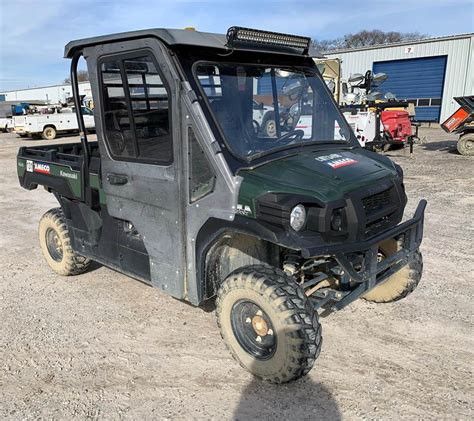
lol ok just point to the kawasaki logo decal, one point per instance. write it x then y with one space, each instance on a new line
68 174
336 160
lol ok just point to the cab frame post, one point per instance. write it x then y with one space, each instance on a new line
85 182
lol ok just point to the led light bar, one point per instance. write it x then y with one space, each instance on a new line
236 34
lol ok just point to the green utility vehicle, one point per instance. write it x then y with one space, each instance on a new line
184 192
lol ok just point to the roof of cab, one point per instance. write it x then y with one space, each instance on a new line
169 36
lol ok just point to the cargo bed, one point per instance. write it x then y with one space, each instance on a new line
59 169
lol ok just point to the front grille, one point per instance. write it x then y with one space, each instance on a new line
376 202
377 226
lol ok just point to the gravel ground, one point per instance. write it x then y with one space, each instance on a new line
101 345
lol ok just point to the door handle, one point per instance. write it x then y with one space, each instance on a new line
117 179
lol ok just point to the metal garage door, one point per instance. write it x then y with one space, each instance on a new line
265 84
419 80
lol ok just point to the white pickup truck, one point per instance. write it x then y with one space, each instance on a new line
48 126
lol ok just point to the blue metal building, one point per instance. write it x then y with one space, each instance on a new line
429 72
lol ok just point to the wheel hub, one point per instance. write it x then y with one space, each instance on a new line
253 329
54 244
259 325
271 129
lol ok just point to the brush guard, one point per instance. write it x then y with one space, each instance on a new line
409 235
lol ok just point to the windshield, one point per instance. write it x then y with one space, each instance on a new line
263 108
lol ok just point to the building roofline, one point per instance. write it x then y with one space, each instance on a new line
41 87
401 43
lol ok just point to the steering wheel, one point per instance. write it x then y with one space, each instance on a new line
294 135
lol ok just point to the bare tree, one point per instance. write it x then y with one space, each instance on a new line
366 38
82 76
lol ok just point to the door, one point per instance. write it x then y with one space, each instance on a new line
418 80
135 96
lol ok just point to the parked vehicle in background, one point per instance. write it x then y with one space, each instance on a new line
378 124
20 110
48 123
462 122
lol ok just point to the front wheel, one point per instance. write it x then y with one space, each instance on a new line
401 283
268 324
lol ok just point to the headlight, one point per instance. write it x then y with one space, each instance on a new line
298 217
336 220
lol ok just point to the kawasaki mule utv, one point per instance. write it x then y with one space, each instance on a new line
183 191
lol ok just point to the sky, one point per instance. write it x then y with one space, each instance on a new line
33 33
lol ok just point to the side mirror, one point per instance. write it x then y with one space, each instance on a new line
356 78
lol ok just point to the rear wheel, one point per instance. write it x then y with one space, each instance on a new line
401 283
56 245
268 323
49 133
466 144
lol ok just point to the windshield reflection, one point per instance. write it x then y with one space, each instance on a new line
263 108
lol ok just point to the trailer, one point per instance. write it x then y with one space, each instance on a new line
462 122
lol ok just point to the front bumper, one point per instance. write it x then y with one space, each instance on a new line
409 234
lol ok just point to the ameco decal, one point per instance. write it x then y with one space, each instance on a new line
41 168
336 161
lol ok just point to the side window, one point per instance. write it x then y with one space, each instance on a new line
201 175
136 110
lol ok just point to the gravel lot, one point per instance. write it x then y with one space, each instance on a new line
102 345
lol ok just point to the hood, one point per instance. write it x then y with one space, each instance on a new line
326 175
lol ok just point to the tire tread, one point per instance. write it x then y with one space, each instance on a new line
299 314
73 263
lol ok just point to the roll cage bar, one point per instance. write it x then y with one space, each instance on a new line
86 194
